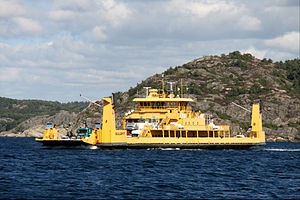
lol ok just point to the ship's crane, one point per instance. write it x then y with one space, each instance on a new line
241 107
90 100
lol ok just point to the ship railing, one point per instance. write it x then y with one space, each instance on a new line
157 107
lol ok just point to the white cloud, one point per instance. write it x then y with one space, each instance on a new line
280 55
10 74
62 15
25 25
257 53
249 23
75 5
11 8
98 33
202 8
289 41
114 12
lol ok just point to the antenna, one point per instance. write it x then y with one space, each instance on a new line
147 91
90 100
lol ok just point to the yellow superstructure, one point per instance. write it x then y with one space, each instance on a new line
108 134
50 132
166 121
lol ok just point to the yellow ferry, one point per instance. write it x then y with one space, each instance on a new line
166 121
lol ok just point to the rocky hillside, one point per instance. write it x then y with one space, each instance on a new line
214 82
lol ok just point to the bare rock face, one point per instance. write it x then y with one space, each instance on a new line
61 118
34 127
35 131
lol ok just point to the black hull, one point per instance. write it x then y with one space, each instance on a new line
63 143
178 146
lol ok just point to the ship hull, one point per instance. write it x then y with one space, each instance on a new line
62 142
177 146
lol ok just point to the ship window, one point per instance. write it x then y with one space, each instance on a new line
157 104
152 105
175 103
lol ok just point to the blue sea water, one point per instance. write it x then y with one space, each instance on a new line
30 171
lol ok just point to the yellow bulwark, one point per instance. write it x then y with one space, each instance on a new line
166 121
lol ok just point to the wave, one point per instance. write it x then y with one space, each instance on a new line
93 147
278 149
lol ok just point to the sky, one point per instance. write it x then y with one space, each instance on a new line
56 50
